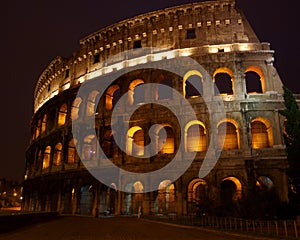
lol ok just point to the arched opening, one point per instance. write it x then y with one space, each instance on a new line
39 161
135 135
166 144
230 194
68 197
261 132
75 108
89 148
72 152
46 159
86 200
195 137
109 145
191 79
223 79
44 123
134 200
112 96
190 90
165 94
198 201
108 198
165 201
231 190
255 80
90 105
62 115
136 95
38 129
57 157
266 199
228 131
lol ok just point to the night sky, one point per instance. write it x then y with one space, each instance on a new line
34 32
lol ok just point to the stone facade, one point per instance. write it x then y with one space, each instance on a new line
216 35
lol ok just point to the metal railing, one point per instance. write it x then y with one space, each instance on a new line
278 228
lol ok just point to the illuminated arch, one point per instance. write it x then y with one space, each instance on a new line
237 194
262 133
75 108
261 85
133 197
228 130
90 105
72 152
38 128
167 146
62 115
223 87
195 140
197 195
264 183
135 135
134 96
112 96
165 200
46 158
89 147
57 157
44 124
185 85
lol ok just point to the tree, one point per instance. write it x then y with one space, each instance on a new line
292 133
292 142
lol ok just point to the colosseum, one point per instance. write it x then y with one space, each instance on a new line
235 67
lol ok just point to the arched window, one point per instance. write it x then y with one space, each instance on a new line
166 197
133 198
231 190
135 135
166 145
38 128
223 79
90 105
228 132
255 80
89 148
44 123
261 131
39 160
72 153
57 157
46 159
112 96
138 139
109 145
136 95
162 92
62 115
195 138
264 183
190 90
75 108
197 196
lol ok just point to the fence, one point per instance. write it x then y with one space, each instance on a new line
279 228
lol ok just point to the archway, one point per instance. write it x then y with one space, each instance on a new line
198 200
86 200
133 198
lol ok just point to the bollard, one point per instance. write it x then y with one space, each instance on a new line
276 226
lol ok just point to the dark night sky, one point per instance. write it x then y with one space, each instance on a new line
34 32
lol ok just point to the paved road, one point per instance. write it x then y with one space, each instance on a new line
117 228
